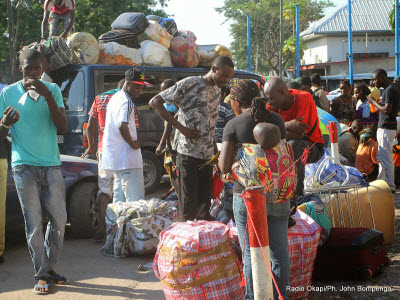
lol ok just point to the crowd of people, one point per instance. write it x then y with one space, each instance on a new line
199 112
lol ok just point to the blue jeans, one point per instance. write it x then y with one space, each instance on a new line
41 190
278 215
128 185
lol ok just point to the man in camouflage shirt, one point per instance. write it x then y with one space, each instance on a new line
198 100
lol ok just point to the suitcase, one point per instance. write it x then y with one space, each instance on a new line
134 22
122 37
351 254
170 25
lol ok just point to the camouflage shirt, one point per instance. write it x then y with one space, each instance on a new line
198 108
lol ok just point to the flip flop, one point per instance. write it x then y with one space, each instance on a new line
37 292
56 278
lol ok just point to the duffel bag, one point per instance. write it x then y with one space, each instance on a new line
116 54
121 36
57 53
135 22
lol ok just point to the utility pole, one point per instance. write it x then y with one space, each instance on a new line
350 38
397 37
297 41
248 44
281 40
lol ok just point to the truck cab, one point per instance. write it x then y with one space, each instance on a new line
80 84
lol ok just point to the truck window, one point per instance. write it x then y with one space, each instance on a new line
73 91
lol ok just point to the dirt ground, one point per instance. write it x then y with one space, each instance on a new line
94 276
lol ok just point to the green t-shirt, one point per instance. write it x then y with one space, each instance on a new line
34 136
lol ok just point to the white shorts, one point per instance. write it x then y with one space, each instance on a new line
105 180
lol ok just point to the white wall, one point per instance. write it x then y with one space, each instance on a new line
334 49
317 52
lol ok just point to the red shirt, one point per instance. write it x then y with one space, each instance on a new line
99 111
304 106
63 9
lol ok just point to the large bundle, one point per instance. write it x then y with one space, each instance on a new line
303 240
57 53
156 33
184 52
116 54
134 227
153 54
195 260
85 47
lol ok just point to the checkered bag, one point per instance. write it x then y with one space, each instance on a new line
216 204
195 260
303 240
328 171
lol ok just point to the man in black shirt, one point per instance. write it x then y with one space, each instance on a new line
10 117
388 109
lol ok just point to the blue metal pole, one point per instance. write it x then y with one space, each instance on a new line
248 44
297 41
397 37
350 38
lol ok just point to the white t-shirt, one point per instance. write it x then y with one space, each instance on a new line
117 154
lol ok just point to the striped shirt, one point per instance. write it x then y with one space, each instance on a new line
225 114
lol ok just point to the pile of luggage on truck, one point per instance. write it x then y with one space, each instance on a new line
134 40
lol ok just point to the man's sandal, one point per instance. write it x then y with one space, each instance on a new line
58 279
45 287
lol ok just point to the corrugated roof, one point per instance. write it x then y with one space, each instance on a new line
367 15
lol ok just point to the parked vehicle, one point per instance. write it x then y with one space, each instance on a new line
80 177
81 83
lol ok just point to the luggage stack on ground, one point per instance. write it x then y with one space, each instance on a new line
195 260
133 228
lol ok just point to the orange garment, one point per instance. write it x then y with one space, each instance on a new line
396 155
366 157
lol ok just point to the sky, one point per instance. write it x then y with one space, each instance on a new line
201 18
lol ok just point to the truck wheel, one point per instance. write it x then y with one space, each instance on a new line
83 212
152 171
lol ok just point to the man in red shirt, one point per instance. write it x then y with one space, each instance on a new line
298 110
55 12
98 113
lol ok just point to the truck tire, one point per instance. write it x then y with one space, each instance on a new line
152 171
82 211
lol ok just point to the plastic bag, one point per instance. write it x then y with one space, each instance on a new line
184 52
154 54
116 54
85 47
156 33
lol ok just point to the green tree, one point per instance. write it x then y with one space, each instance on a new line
20 25
265 29
392 19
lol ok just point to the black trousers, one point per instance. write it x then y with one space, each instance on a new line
315 155
194 188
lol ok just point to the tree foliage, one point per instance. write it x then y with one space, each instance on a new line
265 25
92 16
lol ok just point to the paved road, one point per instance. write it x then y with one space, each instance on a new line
92 275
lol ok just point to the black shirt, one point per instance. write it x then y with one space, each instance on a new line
390 95
240 131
